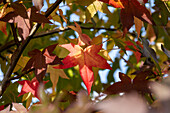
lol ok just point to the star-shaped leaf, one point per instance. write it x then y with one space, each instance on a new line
129 10
30 86
86 59
55 74
139 83
39 60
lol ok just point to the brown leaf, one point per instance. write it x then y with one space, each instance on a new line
39 60
24 18
35 16
139 83
138 25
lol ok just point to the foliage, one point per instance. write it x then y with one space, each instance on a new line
48 56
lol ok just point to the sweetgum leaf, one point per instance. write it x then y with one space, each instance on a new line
39 60
139 83
55 74
86 59
129 10
30 86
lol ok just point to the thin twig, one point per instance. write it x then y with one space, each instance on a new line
50 32
19 76
14 34
21 48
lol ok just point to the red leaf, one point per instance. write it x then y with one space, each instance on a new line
86 59
115 3
30 86
1 107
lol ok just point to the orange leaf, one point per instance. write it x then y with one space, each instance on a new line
86 59
114 3
3 27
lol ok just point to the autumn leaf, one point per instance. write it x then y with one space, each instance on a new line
21 63
23 18
1 107
129 10
86 59
115 3
30 86
3 27
39 60
55 74
139 83
83 39
138 25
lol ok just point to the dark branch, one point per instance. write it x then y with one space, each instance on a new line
14 34
50 32
20 49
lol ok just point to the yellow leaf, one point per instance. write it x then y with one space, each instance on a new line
28 97
97 40
21 63
54 75
93 8
104 53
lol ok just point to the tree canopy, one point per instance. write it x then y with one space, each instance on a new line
51 53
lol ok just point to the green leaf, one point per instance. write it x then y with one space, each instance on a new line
10 95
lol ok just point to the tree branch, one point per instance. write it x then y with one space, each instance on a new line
19 76
14 34
50 32
20 49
